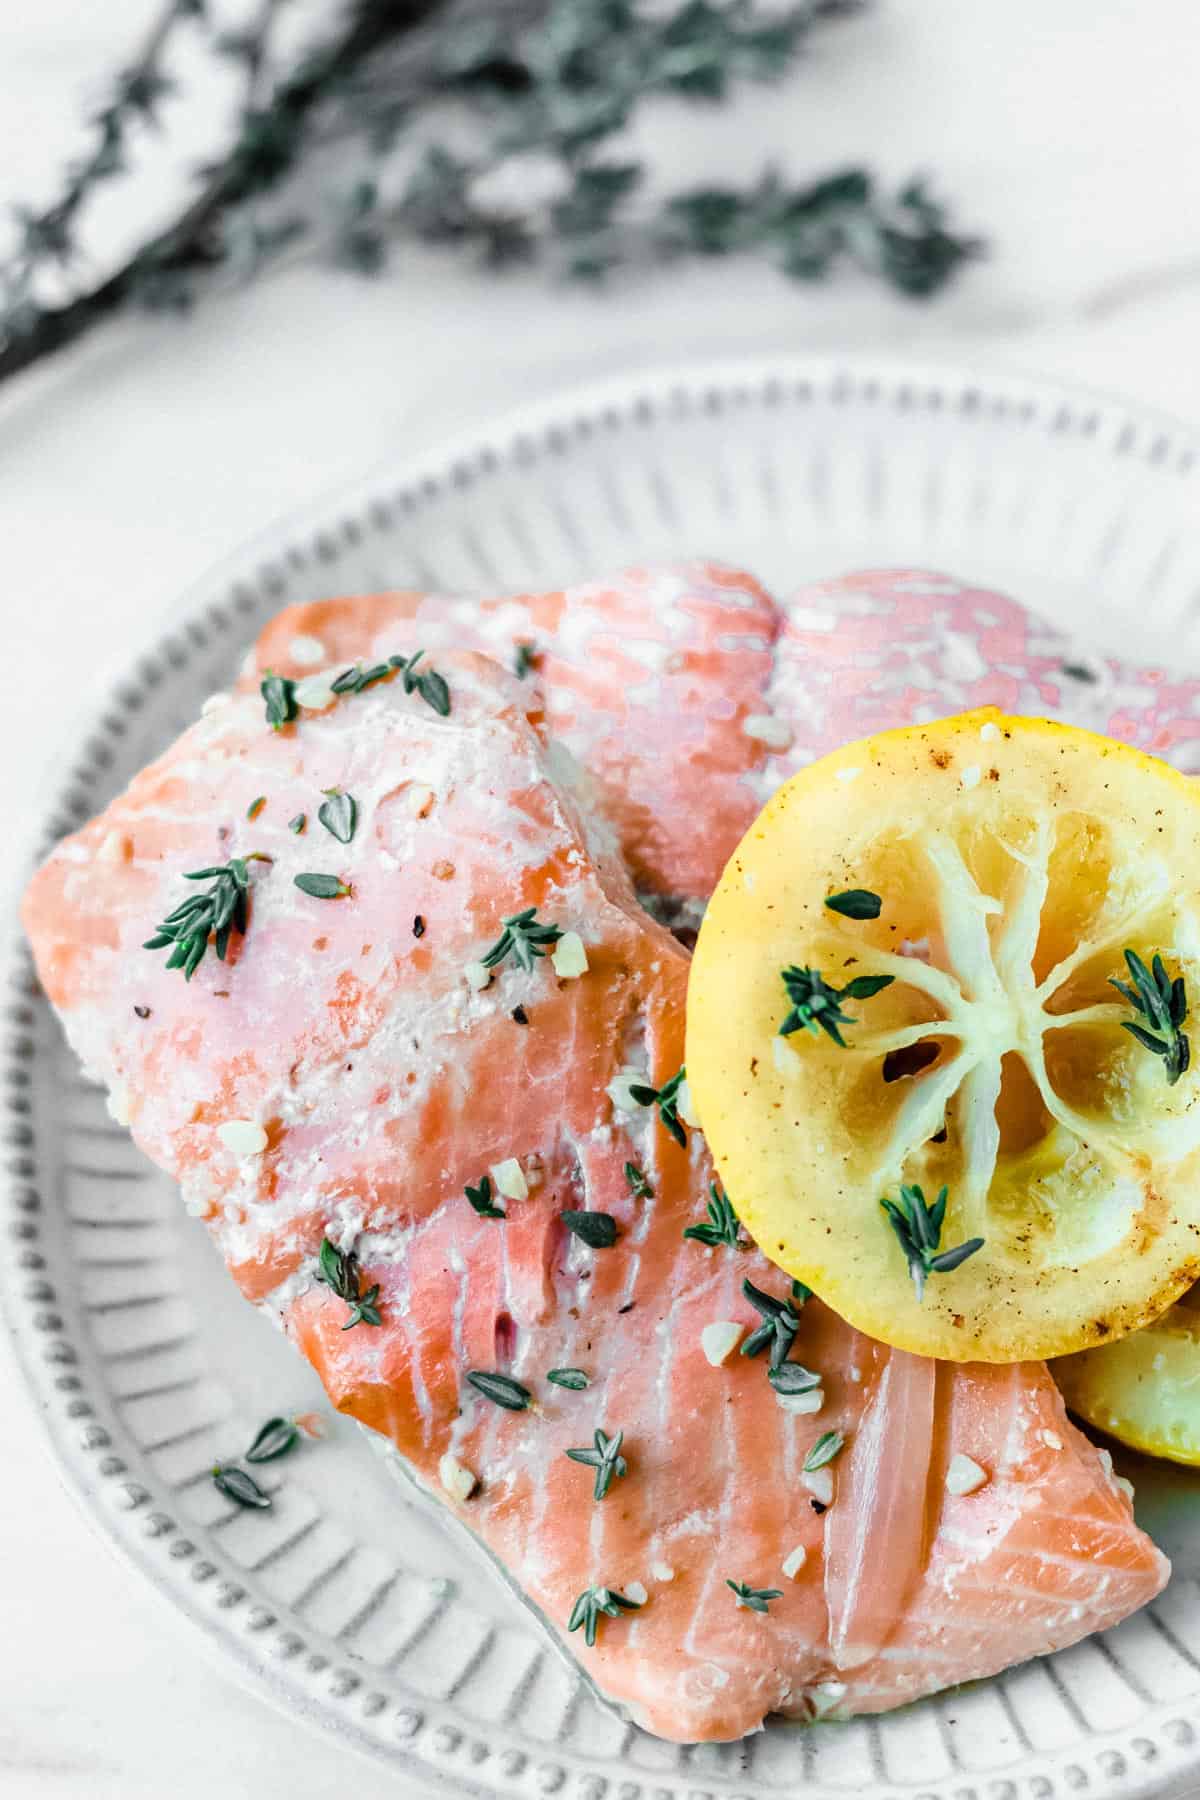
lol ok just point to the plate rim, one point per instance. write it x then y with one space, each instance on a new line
426 1740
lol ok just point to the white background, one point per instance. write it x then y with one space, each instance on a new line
1066 133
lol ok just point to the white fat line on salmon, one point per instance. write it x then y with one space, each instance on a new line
460 1269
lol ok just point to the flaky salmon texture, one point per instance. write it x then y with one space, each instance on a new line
343 1075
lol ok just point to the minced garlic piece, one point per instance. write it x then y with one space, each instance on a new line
115 847
662 1571
972 776
989 732
811 1402
243 1136
509 1178
315 692
794 1562
1052 1440
684 1107
819 1483
964 1474
459 1481
569 956
633 1590
618 1089
720 1339
477 976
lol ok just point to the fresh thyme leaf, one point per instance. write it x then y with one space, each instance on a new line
855 903
598 1230
568 1378
605 1457
256 806
220 912
339 1270
354 679
143 1012
338 813
639 1187
919 1229
753 1599
236 1485
591 1603
523 659
827 1446
816 1005
481 1199
523 938
280 695
502 1389
519 1016
722 1225
666 1098
1163 1002
427 682
297 824
275 1438
780 1323
793 1378
322 887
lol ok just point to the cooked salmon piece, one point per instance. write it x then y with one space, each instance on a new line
654 679
376 1041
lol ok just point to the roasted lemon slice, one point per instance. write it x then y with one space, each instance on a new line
1144 1390
903 993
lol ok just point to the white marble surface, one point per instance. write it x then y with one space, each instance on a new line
1067 133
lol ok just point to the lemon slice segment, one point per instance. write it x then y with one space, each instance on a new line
1016 862
1144 1390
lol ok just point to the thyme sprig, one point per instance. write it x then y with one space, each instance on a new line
592 1603
919 1229
780 1321
502 1390
639 1185
481 1199
753 1599
339 1270
817 1006
666 1098
827 1446
218 913
605 1457
1163 1002
427 682
722 1225
524 937
549 80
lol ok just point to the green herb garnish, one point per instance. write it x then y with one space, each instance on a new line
221 911
236 1485
523 938
523 659
256 806
594 1601
297 824
1163 1002
792 1378
639 1187
598 1230
666 1098
322 887
919 1229
338 813
275 1438
568 1378
502 1389
427 682
280 695
754 1599
481 1199
354 679
780 1323
605 1457
816 1006
855 903
827 1446
722 1225
339 1270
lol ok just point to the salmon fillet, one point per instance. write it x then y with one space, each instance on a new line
343 1076
654 679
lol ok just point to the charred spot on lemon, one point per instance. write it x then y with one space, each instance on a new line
1016 862
1142 1390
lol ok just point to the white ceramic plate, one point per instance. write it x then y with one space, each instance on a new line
349 1603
